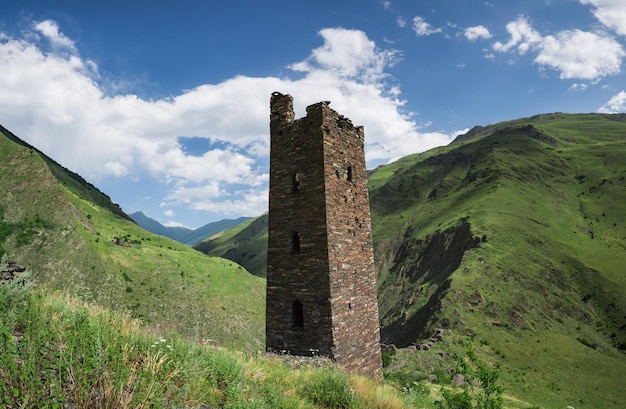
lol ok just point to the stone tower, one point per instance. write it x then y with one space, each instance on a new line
321 283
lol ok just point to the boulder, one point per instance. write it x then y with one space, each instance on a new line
458 379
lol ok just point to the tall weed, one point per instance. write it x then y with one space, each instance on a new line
329 388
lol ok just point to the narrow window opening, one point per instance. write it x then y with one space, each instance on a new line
295 242
296 182
297 315
349 174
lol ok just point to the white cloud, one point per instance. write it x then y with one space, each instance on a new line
615 105
50 30
422 28
55 101
168 213
578 87
348 54
115 168
611 13
172 223
574 53
580 54
476 32
401 22
523 36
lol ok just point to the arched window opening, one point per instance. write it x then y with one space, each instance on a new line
297 321
296 182
295 242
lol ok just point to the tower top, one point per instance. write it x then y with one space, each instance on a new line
282 113
281 108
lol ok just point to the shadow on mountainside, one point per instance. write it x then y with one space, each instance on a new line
419 278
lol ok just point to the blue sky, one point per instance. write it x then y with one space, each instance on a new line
165 106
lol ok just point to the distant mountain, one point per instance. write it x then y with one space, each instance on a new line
148 223
76 242
185 235
245 244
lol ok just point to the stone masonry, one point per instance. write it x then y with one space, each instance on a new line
321 283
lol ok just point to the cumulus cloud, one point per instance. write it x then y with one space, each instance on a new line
52 97
615 105
348 54
523 36
423 28
580 54
611 13
476 32
573 53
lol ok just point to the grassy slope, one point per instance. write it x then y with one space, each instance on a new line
245 244
545 293
59 352
157 279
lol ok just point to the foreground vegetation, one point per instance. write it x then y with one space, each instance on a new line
58 352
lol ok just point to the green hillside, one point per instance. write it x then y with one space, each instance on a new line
514 234
245 244
75 241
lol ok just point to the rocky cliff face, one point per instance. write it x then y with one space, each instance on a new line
417 280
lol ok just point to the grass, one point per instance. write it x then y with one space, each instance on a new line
57 351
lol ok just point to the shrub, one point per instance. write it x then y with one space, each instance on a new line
387 357
13 297
329 389
483 393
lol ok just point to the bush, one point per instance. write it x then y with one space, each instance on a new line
387 358
480 390
329 389
13 297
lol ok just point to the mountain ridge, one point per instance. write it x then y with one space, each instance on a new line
185 235
71 179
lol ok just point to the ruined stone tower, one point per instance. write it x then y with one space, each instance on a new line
321 283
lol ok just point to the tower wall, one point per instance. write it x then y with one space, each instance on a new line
321 283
